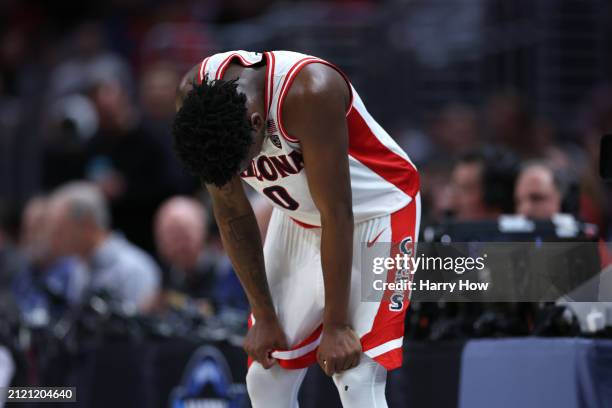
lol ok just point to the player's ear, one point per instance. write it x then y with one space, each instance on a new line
257 122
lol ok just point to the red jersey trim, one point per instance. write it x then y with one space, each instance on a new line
371 152
269 86
295 69
225 63
303 224
269 80
203 69
389 325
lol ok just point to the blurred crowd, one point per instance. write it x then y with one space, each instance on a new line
93 200
505 160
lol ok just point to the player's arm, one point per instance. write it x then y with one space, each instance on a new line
242 242
314 113
238 227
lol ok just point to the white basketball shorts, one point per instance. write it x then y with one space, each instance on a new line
293 268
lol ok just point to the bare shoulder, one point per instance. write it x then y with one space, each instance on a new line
319 93
317 80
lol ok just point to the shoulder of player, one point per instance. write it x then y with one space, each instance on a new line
317 91
315 81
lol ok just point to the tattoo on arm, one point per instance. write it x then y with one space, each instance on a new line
240 228
227 188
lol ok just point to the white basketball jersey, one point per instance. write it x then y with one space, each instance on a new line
383 179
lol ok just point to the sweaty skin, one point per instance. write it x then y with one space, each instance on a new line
314 113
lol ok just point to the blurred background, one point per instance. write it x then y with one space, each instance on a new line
112 275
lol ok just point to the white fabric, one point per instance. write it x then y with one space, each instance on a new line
288 355
385 347
372 194
360 387
275 387
293 266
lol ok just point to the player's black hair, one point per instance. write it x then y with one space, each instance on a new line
212 133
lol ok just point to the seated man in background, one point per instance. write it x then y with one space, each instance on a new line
79 224
46 284
541 192
194 269
483 184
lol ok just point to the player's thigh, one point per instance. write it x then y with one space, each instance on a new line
293 269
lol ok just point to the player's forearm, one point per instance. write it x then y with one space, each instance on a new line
336 259
242 242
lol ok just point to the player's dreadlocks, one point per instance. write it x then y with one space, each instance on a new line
212 133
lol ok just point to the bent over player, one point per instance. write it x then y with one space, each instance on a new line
293 127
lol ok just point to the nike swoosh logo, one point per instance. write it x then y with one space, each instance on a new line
371 242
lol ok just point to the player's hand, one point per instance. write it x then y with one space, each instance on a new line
264 337
340 349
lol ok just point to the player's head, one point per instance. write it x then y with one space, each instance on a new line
217 130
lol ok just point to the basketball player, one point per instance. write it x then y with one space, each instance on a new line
293 127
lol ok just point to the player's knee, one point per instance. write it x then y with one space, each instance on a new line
274 387
363 385
262 383
257 379
259 382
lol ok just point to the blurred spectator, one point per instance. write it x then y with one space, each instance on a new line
483 184
510 123
436 191
158 92
195 269
595 120
455 130
89 62
47 286
541 191
134 169
157 99
79 224
72 121
180 236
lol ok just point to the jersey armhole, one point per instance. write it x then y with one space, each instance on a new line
268 57
203 70
287 85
